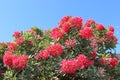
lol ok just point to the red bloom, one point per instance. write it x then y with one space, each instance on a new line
68 66
113 62
20 62
111 28
20 40
93 55
17 34
86 33
109 35
89 23
76 22
80 61
65 27
99 27
109 61
64 20
17 62
56 33
44 54
56 49
70 43
83 61
7 59
12 46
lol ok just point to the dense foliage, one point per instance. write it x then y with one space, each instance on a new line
71 51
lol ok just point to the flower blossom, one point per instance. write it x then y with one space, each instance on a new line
86 33
76 22
56 33
89 23
99 27
56 49
68 66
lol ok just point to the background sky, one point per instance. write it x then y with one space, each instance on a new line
17 15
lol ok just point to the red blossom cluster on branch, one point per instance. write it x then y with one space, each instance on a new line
14 61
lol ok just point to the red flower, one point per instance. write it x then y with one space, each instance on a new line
70 43
76 22
111 28
17 34
80 61
64 20
21 62
56 49
109 35
17 62
86 33
65 27
113 62
99 27
7 59
44 54
68 66
83 61
12 46
56 33
20 40
109 61
89 23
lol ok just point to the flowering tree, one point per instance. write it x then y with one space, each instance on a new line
71 51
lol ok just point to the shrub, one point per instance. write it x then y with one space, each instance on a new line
71 51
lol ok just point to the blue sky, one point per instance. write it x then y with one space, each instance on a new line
17 15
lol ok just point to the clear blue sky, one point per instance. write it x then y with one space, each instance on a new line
17 15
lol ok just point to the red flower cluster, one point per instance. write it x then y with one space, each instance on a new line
12 46
109 35
7 58
17 62
65 27
83 61
68 66
45 54
111 28
56 33
53 50
76 22
89 23
20 40
17 34
110 62
70 43
64 20
99 27
86 33
20 62
56 49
